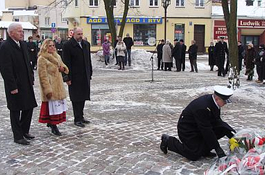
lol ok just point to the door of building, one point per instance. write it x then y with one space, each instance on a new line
199 37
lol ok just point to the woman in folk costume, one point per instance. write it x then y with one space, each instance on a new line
53 94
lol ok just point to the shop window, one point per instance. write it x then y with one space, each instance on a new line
47 21
134 3
199 3
142 32
179 31
99 33
179 3
94 3
153 3
249 2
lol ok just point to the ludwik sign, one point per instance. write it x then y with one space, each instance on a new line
251 23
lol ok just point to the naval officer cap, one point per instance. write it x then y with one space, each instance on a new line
223 92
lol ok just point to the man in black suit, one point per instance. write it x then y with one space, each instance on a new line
18 79
76 55
220 50
200 127
183 48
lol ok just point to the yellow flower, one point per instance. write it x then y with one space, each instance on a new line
233 144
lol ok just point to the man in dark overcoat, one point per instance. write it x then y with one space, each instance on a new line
220 50
59 46
200 127
183 48
177 55
129 43
32 49
159 50
76 55
18 80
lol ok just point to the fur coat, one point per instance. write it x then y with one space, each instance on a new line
50 78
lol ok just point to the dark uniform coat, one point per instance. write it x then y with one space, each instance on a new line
32 49
78 61
211 56
220 50
200 127
17 74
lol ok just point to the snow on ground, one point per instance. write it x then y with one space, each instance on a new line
141 61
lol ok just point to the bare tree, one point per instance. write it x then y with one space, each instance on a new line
109 4
230 15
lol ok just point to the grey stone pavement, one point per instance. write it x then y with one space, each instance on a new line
128 114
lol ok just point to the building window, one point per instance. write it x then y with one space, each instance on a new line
141 33
249 2
135 3
76 3
179 3
153 3
199 3
47 21
259 3
99 33
17 19
179 32
94 3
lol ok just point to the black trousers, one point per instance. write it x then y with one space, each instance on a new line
78 108
221 69
178 64
20 122
183 64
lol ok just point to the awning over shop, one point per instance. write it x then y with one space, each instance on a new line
251 31
25 25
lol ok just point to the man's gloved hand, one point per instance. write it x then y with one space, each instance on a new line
220 152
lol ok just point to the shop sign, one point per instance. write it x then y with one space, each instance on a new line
219 29
251 23
132 20
138 43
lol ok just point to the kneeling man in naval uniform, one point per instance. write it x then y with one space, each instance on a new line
200 127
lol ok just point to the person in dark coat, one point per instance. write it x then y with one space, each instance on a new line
260 62
32 49
220 50
241 54
18 80
129 43
77 57
193 49
249 61
200 127
177 55
183 48
211 56
59 46
159 49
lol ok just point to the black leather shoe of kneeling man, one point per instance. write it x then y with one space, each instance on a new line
29 136
79 124
22 141
164 144
85 121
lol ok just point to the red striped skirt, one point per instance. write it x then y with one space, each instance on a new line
51 119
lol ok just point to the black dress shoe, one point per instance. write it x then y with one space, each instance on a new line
22 142
85 121
79 124
163 145
29 136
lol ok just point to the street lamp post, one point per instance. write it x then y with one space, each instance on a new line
165 4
